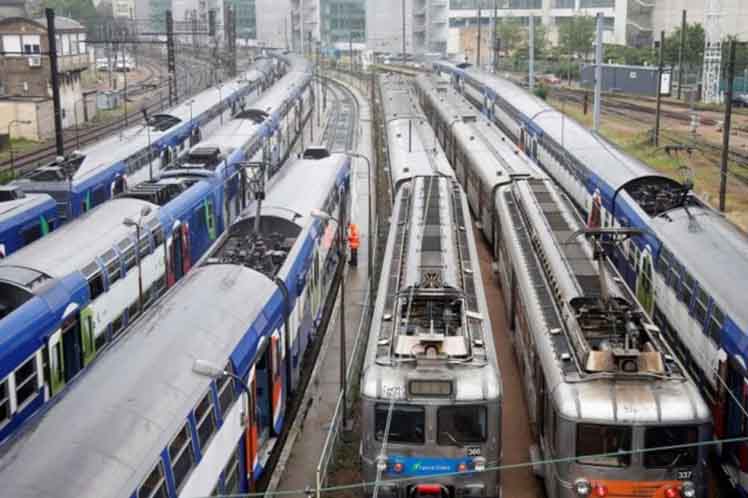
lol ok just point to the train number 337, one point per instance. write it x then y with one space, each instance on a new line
684 475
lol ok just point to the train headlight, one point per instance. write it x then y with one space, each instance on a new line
600 490
381 463
582 487
688 490
672 493
462 467
479 463
398 467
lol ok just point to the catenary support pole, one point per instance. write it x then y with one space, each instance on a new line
681 52
726 128
658 106
55 80
598 73
531 66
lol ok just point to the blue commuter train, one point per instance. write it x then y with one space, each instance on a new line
97 173
158 428
65 297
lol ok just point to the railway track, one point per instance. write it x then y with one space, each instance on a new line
24 164
340 129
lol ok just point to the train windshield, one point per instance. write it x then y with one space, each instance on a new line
460 425
662 437
603 445
408 424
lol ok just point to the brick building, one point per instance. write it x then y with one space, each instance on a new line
25 76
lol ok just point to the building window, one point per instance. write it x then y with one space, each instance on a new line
12 45
31 44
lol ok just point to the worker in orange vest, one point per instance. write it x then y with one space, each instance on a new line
353 242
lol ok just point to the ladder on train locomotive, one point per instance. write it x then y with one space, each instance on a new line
611 334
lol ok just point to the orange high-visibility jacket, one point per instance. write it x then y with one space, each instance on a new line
353 238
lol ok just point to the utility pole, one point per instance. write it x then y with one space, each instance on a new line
598 73
403 12
477 52
531 68
494 37
726 127
350 48
681 51
171 63
712 51
59 144
660 65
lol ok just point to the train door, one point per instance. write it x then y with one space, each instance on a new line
263 398
71 347
177 254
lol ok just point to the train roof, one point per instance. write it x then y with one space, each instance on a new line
607 361
494 154
714 252
431 318
102 438
413 147
591 150
74 245
27 206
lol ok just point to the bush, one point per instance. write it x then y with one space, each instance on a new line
541 91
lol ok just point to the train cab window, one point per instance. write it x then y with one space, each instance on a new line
594 442
408 424
113 267
226 395
715 324
686 289
25 377
95 280
459 425
205 416
154 486
656 437
4 402
182 456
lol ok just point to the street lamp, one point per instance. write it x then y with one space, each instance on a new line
10 143
323 216
129 222
208 369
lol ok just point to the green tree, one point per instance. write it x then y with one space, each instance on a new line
693 54
576 35
82 11
509 31
622 54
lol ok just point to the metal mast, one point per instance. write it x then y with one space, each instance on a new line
712 50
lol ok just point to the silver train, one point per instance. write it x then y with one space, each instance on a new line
601 381
431 389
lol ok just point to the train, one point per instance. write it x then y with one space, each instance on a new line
603 384
677 265
70 294
430 385
24 218
95 174
209 368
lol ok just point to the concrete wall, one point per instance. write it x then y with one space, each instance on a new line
39 112
384 26
272 20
